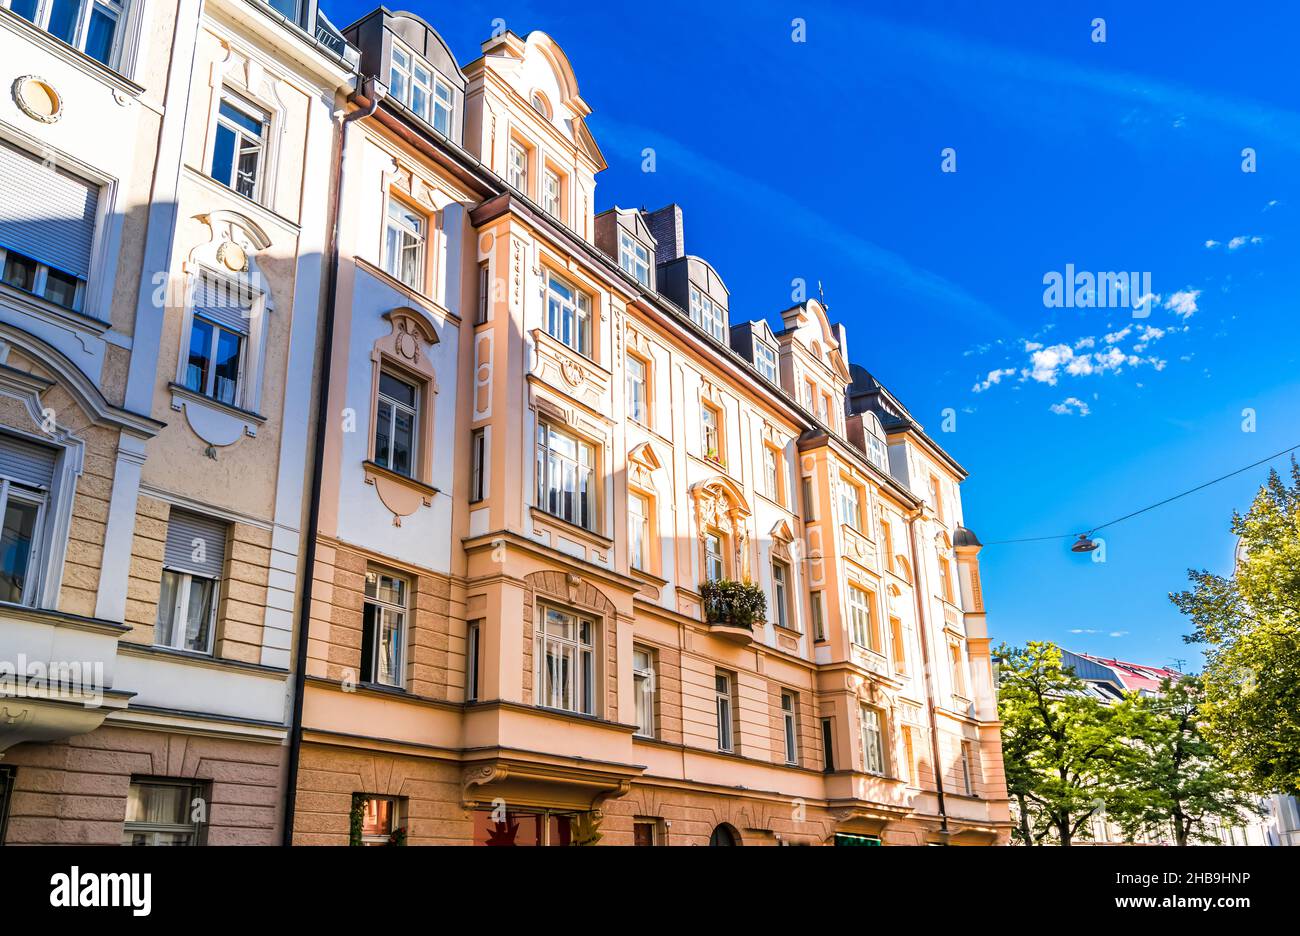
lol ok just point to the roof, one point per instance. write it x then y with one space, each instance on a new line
1136 677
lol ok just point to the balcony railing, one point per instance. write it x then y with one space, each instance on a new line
733 608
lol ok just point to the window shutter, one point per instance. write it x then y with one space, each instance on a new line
26 462
46 214
185 532
221 302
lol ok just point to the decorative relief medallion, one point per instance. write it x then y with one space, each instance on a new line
572 372
232 257
37 99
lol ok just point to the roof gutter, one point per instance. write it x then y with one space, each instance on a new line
374 91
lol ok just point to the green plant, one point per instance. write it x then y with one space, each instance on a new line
356 818
737 603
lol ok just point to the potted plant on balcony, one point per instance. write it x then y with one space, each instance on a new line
733 604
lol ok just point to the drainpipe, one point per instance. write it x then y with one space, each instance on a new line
923 625
373 91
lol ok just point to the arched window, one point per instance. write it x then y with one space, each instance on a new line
541 105
724 834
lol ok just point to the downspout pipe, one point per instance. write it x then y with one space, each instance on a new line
923 625
373 91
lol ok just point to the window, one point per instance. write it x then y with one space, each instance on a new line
214 364
765 360
551 193
909 749
566 662
564 477
818 622
873 747
887 543
538 101
165 812
419 88
194 559
517 168
239 144
723 835
722 684
88 25
643 688
862 615
958 670
711 423
47 228
26 477
876 452
900 648
638 531
789 706
810 396
473 634
634 258
646 831
709 315
828 745
382 819
850 504
484 293
781 594
809 502
715 569
383 637
827 409
967 770
6 792
638 390
396 424
517 828
772 473
945 579
936 496
404 244
478 468
568 316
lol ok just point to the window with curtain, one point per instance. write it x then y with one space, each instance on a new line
643 689
789 706
404 239
638 395
565 482
397 421
165 812
638 528
723 687
873 744
715 563
862 627
566 661
26 477
194 560
383 634
219 329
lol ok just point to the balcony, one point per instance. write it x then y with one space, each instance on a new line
732 608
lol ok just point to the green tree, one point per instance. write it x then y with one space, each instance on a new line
1177 780
1063 749
1249 625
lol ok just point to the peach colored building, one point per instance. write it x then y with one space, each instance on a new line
594 558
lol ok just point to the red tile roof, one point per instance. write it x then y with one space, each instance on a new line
1135 676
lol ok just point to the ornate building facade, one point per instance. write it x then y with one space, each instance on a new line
399 496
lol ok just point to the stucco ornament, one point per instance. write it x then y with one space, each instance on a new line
37 98
720 505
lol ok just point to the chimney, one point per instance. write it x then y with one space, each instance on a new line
666 226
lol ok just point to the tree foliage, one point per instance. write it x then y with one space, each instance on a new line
1249 625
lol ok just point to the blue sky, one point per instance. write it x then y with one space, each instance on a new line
822 160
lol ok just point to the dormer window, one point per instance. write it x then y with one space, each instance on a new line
765 360
634 258
707 314
418 87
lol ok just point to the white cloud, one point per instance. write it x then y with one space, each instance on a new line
1120 335
1033 345
1084 343
1046 363
1119 633
994 377
1211 244
1069 406
1183 302
1243 240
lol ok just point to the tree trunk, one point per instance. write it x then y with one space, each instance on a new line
1063 828
1024 821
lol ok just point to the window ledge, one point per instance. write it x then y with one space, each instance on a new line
594 538
122 86
420 300
785 629
60 315
217 423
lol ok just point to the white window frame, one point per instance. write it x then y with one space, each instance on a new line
708 314
723 697
644 683
850 504
789 707
568 315
638 530
765 360
418 74
396 406
517 166
554 467
116 10
261 142
383 610
473 647
552 193
634 258
155 830
209 388
580 696
781 594
872 723
180 625
8 489
713 557
409 237
818 616
772 472
711 432
967 771
861 631
638 390
478 465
